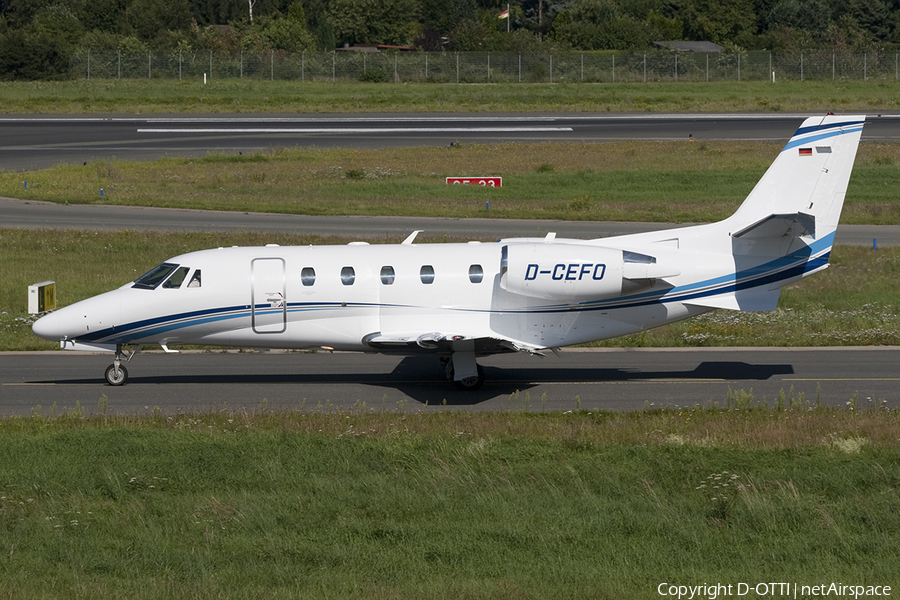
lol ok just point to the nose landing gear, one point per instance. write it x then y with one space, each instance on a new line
116 374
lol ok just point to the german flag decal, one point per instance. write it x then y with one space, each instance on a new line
805 151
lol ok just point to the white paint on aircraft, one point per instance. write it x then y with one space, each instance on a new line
462 301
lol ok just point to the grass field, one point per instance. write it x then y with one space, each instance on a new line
628 181
134 96
852 303
390 505
513 505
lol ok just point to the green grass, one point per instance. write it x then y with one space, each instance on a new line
852 303
626 181
252 96
453 505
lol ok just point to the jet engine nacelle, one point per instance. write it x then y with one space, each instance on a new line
565 272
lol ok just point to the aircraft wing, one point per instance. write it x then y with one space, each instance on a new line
442 343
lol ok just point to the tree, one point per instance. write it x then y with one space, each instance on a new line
538 15
374 21
33 54
601 25
60 22
289 32
19 13
811 15
719 21
873 16
443 16
319 23
468 36
104 15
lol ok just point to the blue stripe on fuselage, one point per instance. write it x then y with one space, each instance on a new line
808 259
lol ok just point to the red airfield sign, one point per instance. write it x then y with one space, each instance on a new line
483 181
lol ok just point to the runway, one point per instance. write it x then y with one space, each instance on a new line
33 142
614 379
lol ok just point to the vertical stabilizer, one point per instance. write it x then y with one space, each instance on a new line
784 230
808 179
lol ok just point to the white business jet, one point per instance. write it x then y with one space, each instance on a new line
462 301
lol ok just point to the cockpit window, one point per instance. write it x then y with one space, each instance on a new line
152 278
195 279
177 278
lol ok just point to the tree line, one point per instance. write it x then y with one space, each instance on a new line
38 37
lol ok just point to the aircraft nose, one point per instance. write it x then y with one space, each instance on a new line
47 327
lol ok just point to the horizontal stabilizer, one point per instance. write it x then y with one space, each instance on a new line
749 300
779 226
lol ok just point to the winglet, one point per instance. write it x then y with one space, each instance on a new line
409 239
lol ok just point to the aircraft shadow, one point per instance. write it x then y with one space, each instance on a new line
422 378
502 381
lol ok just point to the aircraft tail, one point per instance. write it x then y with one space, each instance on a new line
802 193
784 230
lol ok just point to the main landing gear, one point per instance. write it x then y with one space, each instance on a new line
471 383
470 374
116 373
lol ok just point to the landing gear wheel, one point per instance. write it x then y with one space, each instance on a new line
470 384
116 376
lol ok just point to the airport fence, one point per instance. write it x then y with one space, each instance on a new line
492 67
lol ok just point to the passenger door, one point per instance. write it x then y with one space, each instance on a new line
267 291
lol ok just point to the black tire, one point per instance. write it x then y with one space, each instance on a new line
111 378
470 384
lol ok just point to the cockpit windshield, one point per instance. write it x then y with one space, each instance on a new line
151 279
175 281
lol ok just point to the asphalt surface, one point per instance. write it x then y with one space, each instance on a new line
29 214
617 379
38 141
32 142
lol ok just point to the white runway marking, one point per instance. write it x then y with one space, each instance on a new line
359 130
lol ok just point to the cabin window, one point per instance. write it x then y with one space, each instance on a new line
155 276
426 274
174 282
195 279
476 273
387 275
348 275
307 276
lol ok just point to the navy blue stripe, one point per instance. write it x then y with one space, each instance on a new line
805 130
780 269
96 335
